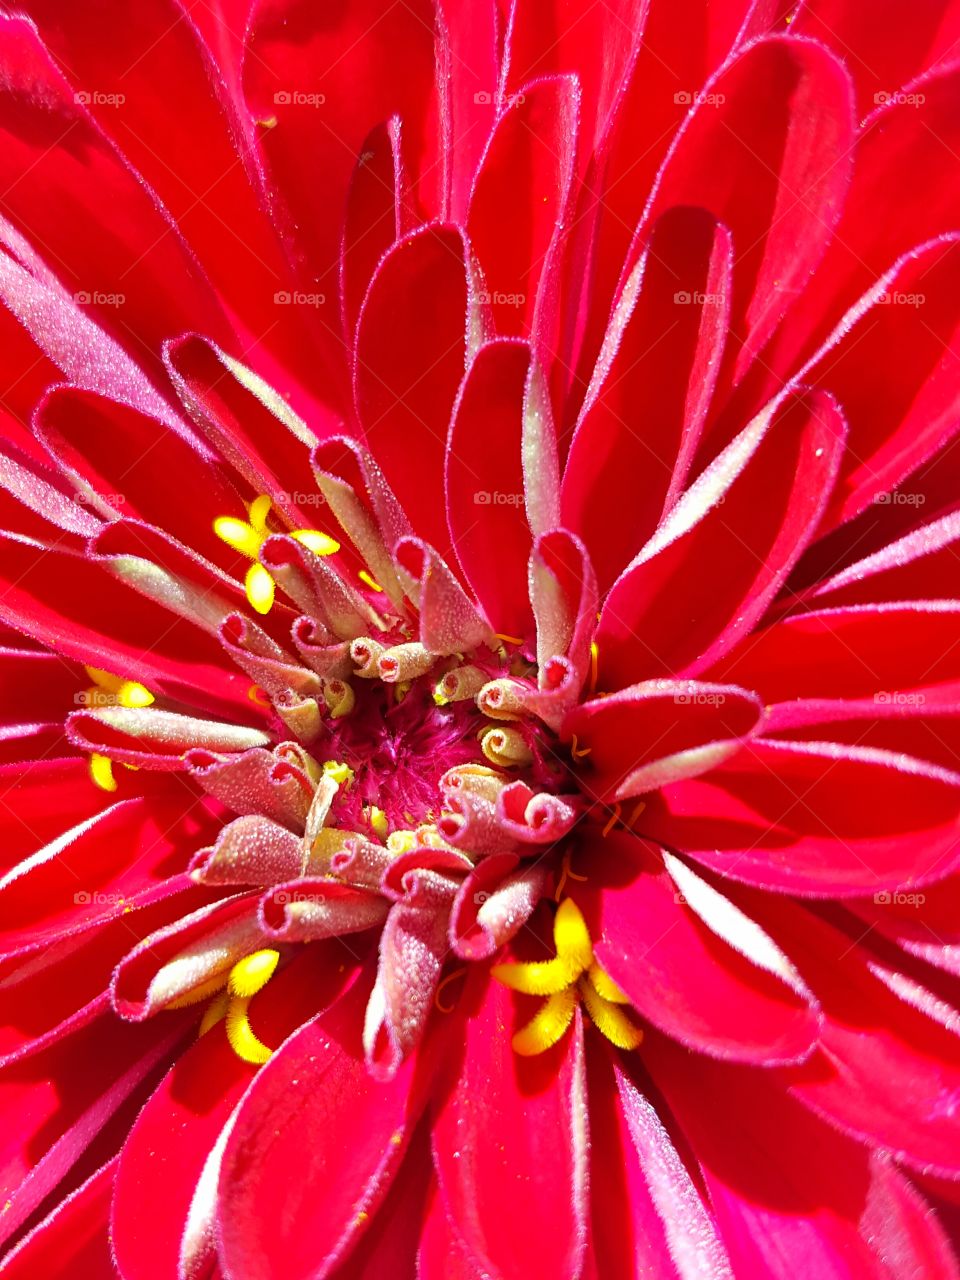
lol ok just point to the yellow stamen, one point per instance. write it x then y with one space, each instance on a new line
320 544
378 820
576 750
507 639
609 1019
594 665
215 1012
256 694
339 771
371 582
548 1024
244 1043
253 972
247 537
605 986
571 974
101 772
260 588
402 841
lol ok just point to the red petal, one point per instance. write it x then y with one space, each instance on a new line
745 1004
410 357
619 480
513 1133
314 1108
740 527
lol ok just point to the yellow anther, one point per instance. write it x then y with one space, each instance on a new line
248 536
498 635
339 697
339 771
133 694
402 841
240 535
571 974
256 694
505 747
320 544
215 1012
605 986
609 1018
101 772
243 1041
260 588
576 750
547 1025
253 972
378 821
371 582
594 665
259 510
125 693
571 936
574 955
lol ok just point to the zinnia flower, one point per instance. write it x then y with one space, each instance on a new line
481 640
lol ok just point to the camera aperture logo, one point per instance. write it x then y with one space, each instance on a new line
297 298
495 498
297 98
97 298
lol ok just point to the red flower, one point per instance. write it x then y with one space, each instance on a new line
480 599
